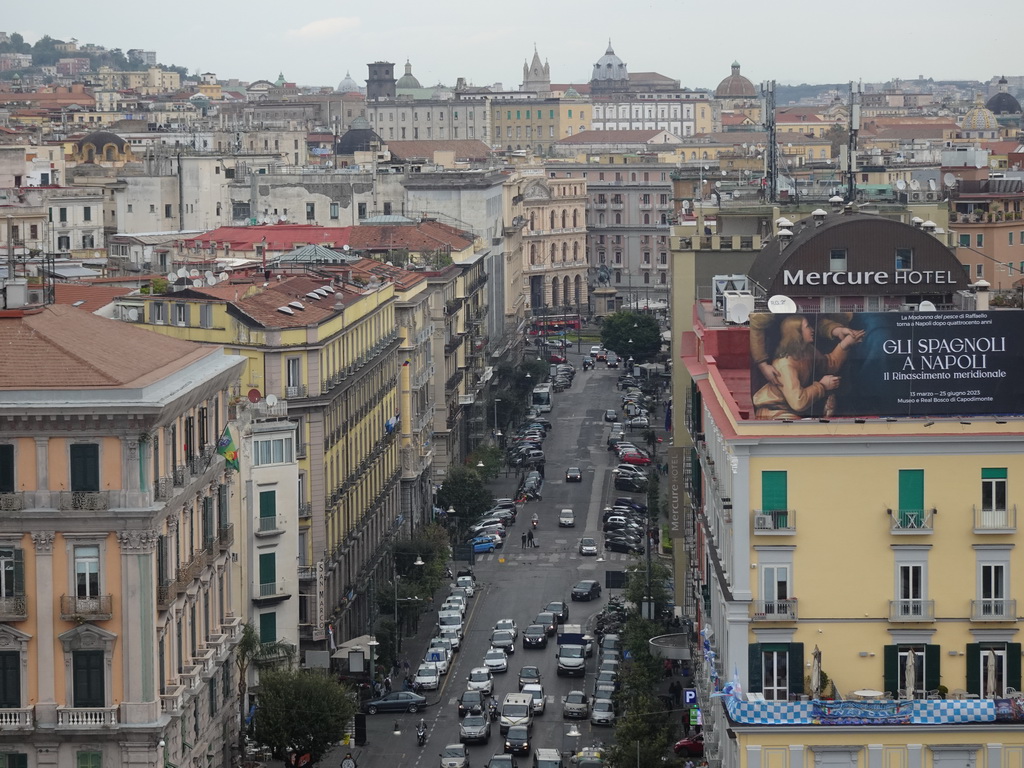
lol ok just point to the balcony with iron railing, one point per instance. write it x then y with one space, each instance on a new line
305 510
86 717
267 526
774 610
911 521
93 608
995 520
453 381
12 502
911 610
226 536
994 609
84 500
775 521
13 608
274 590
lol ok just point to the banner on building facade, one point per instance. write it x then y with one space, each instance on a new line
677 457
886 364
319 626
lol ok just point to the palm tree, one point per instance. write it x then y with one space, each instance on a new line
251 649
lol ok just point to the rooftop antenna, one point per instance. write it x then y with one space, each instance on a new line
851 155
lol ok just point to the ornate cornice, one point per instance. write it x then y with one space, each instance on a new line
137 540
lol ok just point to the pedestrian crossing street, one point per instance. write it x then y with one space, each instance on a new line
546 556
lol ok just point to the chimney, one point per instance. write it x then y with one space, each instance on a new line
981 295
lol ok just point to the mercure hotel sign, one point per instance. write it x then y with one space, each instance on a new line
792 277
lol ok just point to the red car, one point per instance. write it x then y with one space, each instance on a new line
691 746
556 359
637 459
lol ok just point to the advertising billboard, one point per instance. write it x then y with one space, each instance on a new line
867 364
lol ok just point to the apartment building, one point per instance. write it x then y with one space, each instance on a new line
334 360
555 242
860 533
536 124
117 615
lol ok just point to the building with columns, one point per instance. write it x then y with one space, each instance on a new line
555 242
117 616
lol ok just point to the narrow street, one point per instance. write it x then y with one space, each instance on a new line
517 583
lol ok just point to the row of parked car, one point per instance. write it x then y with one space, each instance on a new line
490 529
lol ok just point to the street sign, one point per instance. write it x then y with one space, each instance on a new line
689 696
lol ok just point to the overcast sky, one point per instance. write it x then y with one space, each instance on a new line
791 41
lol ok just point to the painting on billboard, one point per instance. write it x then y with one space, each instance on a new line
809 365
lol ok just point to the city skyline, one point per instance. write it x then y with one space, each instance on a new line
318 48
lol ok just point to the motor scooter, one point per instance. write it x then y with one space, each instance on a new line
421 736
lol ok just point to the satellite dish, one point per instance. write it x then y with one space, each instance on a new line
949 180
739 312
915 184
211 281
781 305
931 184
271 400
193 273
254 395
686 205
182 272
222 277
208 275
718 185
96 254
172 277
345 248
133 314
926 306
901 184
197 283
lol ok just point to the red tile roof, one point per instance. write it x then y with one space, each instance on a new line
59 347
275 237
422 236
93 297
464 149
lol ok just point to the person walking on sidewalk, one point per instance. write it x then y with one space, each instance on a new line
529 539
524 539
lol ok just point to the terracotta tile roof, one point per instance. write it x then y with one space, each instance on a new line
464 149
279 237
401 277
612 137
419 236
262 306
735 118
92 296
59 347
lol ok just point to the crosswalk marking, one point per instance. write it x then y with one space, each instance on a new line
565 554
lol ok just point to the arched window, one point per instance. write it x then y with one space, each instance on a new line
693 155
533 253
575 218
647 218
618 218
564 218
533 223
218 209
552 253
600 219
647 277
662 278
565 252
575 251
551 218
111 156
632 177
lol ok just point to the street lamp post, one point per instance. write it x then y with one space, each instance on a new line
398 633
497 432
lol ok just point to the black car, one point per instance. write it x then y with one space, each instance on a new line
502 761
517 741
560 609
611 415
588 589
626 501
396 701
471 702
623 545
535 636
547 620
631 484
573 475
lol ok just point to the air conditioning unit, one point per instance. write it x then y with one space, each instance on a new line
763 522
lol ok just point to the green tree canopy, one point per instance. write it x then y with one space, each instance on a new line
302 711
463 489
643 730
632 334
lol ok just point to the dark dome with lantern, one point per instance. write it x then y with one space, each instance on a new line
735 86
360 137
1003 102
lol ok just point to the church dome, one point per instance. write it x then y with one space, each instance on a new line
359 137
978 118
100 139
348 85
610 67
735 86
408 80
1003 103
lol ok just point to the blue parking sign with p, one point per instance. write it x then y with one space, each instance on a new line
689 696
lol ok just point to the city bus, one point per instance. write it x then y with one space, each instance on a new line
542 398
554 324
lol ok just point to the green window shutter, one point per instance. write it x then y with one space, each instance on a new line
1013 665
911 489
85 467
13 760
932 662
891 668
7 468
89 760
796 668
19 573
993 474
774 491
268 627
268 568
754 681
973 657
88 679
268 503
10 679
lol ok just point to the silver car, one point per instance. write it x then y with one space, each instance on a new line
603 712
576 704
455 756
475 729
480 679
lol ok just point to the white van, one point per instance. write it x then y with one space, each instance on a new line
516 709
451 620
